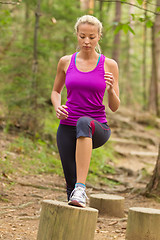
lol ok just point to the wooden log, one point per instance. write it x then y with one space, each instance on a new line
60 221
143 224
107 204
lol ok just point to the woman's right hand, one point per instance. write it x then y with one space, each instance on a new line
61 112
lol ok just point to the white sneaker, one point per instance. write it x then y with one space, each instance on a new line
78 197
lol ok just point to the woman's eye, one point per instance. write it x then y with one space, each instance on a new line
92 37
82 37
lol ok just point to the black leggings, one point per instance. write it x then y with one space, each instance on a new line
66 141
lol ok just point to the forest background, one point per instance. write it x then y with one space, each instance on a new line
34 34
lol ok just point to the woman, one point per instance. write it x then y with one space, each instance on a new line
83 125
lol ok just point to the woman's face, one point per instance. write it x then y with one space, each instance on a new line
87 36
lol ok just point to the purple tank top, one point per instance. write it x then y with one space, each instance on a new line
85 92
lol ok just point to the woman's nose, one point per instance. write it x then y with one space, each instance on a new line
86 40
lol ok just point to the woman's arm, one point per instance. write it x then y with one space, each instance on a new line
59 82
111 79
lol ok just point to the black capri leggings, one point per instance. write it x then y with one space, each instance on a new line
66 141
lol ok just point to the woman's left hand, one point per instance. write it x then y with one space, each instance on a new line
109 80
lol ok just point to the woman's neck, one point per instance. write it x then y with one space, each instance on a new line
87 55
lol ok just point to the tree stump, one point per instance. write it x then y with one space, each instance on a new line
60 221
107 204
143 224
154 185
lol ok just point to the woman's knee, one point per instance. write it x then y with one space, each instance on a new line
84 128
83 122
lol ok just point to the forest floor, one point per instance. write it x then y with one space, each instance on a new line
136 145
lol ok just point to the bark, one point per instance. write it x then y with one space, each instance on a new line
129 93
116 42
155 77
154 185
144 58
35 55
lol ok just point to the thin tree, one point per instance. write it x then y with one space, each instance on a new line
128 66
144 56
35 55
155 77
87 5
116 41
34 119
101 10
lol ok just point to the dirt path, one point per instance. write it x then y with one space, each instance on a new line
137 153
19 218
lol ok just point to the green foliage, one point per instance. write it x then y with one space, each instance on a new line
23 94
27 156
125 27
140 2
5 18
149 23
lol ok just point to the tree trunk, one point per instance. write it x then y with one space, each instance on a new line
35 56
129 92
116 42
33 116
84 4
26 22
155 78
87 5
144 58
154 185
101 10
91 6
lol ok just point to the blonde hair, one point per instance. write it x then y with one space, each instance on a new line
93 21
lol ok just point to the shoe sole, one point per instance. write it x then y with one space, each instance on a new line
76 203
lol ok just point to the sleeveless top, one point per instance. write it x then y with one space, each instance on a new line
85 92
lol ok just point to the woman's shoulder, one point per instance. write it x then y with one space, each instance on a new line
65 61
65 58
110 63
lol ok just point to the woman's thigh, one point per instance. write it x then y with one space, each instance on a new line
89 127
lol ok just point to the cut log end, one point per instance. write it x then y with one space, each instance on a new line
107 204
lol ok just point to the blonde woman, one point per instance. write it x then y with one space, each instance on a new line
88 75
